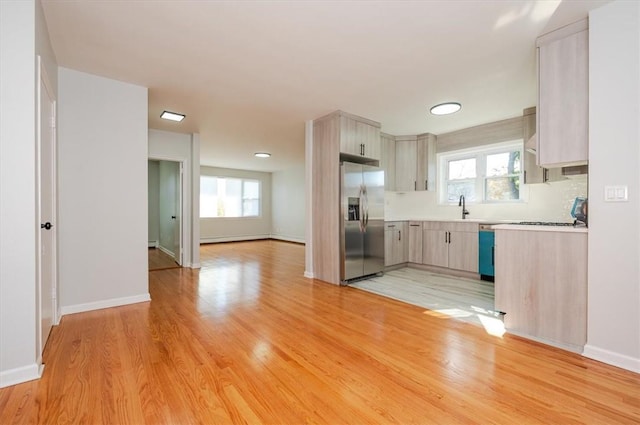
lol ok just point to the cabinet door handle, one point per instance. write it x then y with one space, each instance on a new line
445 237
415 185
399 235
426 185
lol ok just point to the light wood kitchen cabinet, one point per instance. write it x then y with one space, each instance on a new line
452 245
406 151
331 134
533 173
541 284
415 242
396 242
426 162
388 160
359 136
416 162
563 96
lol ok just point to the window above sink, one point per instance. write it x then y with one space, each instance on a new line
489 174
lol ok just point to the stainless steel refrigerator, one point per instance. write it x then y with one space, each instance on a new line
362 228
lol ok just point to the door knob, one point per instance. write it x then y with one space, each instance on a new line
46 225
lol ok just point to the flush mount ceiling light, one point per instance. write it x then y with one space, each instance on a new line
262 154
446 108
172 116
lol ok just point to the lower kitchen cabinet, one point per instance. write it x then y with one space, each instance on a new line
541 284
415 242
396 242
452 245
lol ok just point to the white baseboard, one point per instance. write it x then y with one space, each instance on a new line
20 375
287 238
153 244
308 274
196 266
234 238
97 305
612 358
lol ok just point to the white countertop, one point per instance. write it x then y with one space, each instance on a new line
569 229
500 224
455 220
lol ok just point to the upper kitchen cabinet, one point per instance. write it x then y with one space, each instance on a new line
416 162
426 166
406 151
532 172
359 137
563 96
388 160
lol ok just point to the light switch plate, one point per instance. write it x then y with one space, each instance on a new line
616 193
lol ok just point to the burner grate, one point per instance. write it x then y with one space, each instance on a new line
543 223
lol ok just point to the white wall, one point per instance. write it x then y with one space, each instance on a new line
232 229
23 35
185 148
614 153
288 204
102 160
17 189
153 203
544 202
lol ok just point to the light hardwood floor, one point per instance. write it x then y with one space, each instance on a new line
159 260
247 339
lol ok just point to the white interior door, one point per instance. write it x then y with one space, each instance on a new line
47 211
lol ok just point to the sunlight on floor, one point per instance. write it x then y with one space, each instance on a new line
492 325
448 312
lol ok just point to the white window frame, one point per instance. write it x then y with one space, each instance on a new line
480 154
242 198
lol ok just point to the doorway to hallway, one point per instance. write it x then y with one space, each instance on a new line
165 213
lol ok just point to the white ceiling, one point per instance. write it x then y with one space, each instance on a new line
248 74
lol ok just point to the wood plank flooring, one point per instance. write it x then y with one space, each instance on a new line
463 299
247 339
159 260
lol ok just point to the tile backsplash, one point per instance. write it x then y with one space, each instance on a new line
542 202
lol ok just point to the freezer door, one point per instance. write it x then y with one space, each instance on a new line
352 248
373 212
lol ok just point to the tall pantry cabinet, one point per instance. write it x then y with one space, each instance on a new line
336 134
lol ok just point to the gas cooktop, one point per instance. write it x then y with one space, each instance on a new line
543 223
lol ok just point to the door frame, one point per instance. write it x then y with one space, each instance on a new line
183 205
43 79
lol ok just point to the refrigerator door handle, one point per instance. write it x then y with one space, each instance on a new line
361 209
365 197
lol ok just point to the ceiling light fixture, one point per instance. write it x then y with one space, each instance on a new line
172 116
446 108
262 154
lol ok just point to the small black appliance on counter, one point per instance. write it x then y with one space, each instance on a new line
579 211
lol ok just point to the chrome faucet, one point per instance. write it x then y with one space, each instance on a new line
461 203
